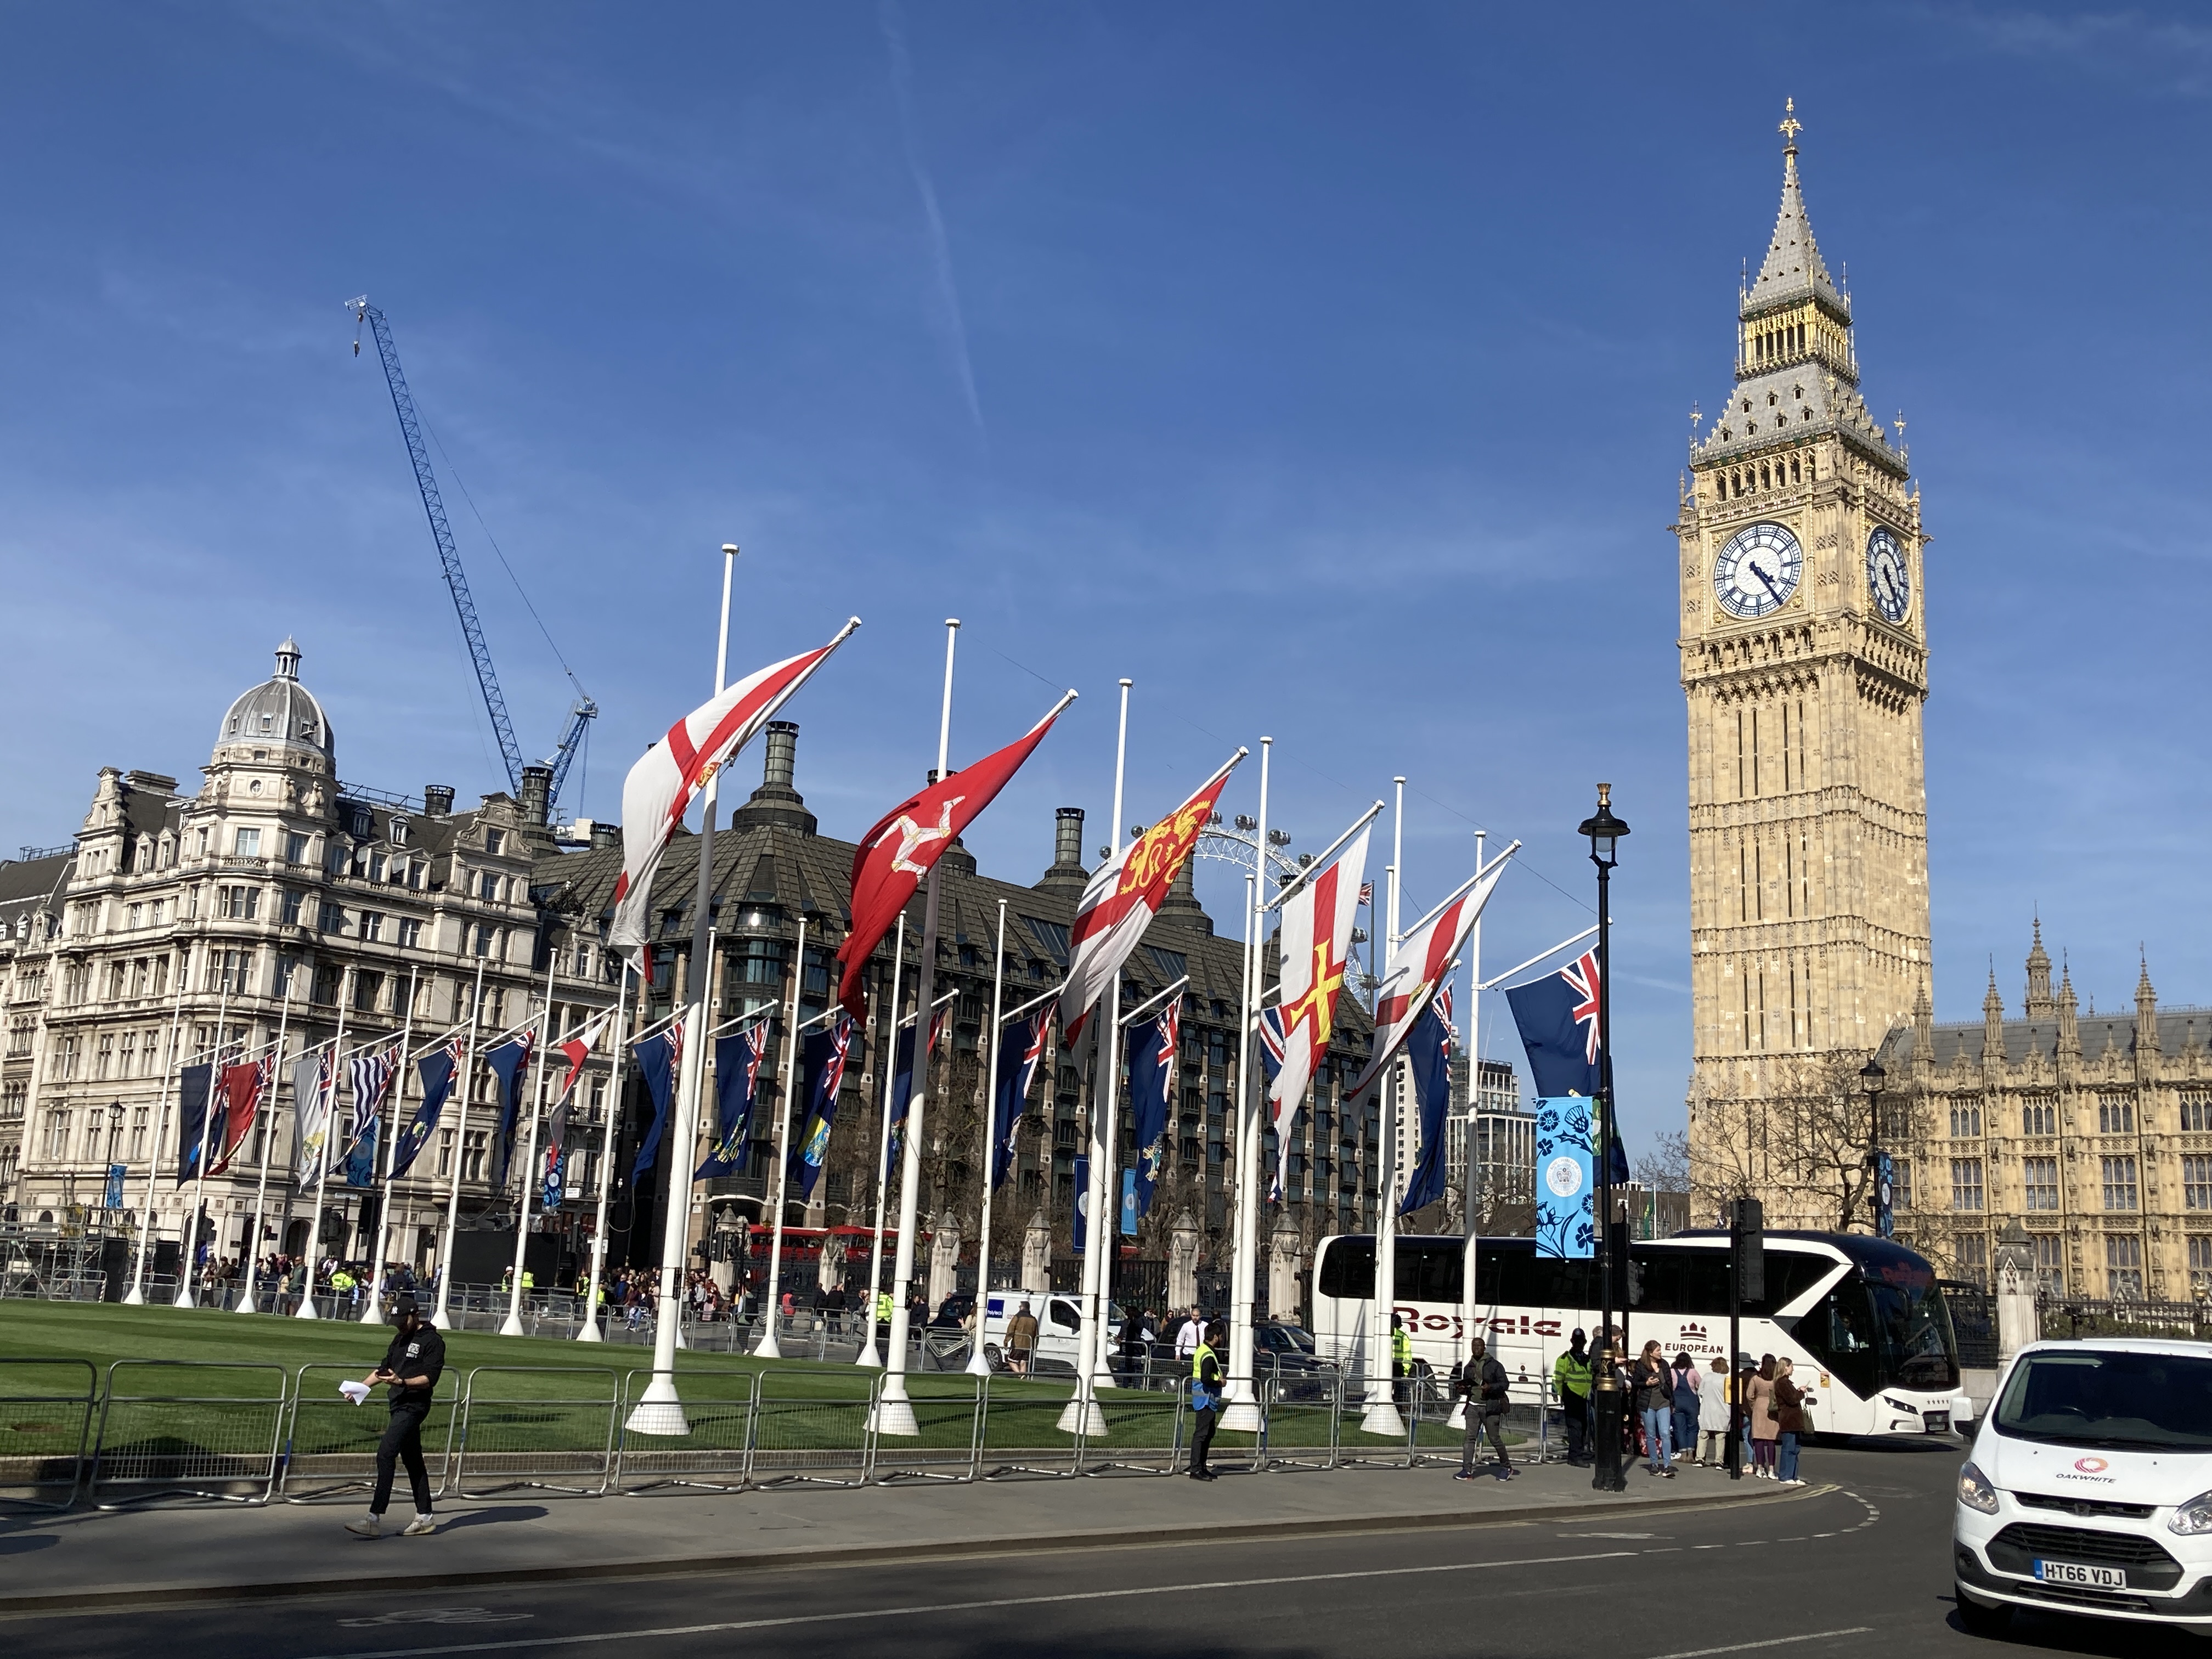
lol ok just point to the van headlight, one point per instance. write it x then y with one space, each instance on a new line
2194 1516
1976 1492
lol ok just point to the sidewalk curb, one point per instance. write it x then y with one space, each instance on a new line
857 1554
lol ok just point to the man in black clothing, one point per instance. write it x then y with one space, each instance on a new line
1482 1382
411 1367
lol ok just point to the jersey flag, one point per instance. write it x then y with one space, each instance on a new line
1124 896
659 790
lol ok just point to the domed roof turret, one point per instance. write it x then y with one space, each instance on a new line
280 713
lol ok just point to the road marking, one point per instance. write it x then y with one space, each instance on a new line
727 1626
1773 1641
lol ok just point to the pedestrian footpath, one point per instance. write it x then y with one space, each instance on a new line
152 1554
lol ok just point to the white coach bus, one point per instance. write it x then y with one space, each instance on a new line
1862 1314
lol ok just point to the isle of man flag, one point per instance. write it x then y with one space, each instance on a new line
1316 940
1125 895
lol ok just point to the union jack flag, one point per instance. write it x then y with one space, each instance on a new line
1582 977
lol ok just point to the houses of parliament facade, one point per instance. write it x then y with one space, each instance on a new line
1804 662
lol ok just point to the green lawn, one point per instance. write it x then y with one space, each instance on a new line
561 1399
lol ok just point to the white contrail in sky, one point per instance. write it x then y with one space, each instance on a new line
949 322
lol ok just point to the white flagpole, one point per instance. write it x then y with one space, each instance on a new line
1472 1176
395 1097
589 1330
463 1076
659 1410
186 1299
895 1413
1382 1414
268 1134
768 1347
306 1307
136 1298
867 1355
977 1365
513 1327
1240 1400
1102 1225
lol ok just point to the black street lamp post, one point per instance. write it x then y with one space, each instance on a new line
1871 1078
1604 831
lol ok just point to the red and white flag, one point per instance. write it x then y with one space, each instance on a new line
1125 895
1421 960
907 840
578 1049
659 790
1316 942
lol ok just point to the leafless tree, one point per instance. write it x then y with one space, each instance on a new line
1666 1167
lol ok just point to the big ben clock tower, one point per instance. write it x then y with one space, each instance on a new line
1805 663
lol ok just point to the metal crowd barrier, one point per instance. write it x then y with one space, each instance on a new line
713 1454
808 1427
949 1412
1297 1430
185 1441
46 1432
502 1435
330 1442
1145 1434
1026 1429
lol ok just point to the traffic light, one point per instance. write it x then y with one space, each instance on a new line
1747 1248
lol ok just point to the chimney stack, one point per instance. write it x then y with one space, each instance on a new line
536 794
782 754
438 799
1067 873
604 835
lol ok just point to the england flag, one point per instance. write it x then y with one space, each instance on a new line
1423 957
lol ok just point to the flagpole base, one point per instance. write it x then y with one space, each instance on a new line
893 1413
977 1365
134 1298
589 1330
1382 1419
1458 1418
512 1326
306 1307
246 1302
868 1356
183 1298
1082 1416
768 1348
1240 1412
659 1411
372 1310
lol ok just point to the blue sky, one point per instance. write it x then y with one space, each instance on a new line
1325 369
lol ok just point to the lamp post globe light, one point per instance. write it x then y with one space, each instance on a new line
1604 831
1871 1079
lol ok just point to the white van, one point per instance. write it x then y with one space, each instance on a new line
1060 1327
2089 1487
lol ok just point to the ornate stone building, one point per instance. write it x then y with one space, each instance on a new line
2094 1130
1804 664
275 897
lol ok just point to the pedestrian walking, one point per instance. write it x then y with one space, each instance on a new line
1686 1397
1654 1388
1021 1340
1205 1401
1481 1382
1188 1334
1571 1380
1713 1417
410 1369
1759 1401
1790 1422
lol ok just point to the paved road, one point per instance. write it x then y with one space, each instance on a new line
1858 1572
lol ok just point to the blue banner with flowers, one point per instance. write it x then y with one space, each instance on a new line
1566 1202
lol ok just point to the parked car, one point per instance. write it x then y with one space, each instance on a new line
952 1312
1286 1354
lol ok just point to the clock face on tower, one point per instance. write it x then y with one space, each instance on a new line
1758 570
1887 577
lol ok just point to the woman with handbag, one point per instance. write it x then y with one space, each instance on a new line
1758 1401
1790 1424
1654 1387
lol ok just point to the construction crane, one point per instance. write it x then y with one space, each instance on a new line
583 711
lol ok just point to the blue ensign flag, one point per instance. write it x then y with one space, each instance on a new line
737 1077
507 1061
1082 1201
1020 1047
437 1070
821 1075
1428 1054
1566 1197
656 1063
194 1085
1152 1081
